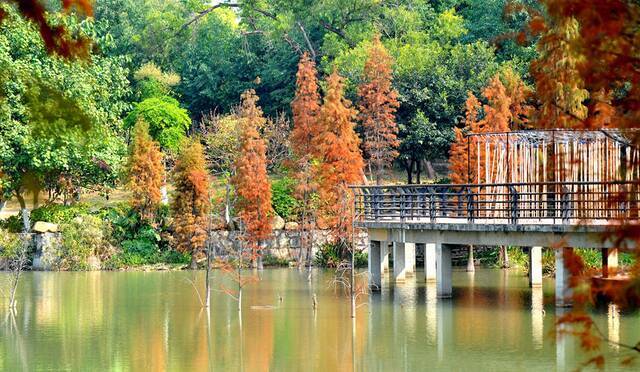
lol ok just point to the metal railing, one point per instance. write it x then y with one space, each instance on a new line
506 203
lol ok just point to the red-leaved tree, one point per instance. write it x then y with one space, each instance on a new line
305 146
250 180
191 204
588 76
146 172
377 105
341 162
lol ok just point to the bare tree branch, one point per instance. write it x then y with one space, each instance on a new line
327 26
306 39
205 12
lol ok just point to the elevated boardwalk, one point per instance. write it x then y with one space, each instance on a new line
563 215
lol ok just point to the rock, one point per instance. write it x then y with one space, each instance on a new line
278 223
94 263
291 226
43 227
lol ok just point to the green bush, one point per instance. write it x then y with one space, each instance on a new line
141 242
330 255
518 257
548 261
82 238
361 259
282 198
273 261
12 224
58 213
9 244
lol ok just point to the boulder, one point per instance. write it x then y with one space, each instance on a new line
44 227
278 223
291 226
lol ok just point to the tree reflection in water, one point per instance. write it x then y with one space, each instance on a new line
152 321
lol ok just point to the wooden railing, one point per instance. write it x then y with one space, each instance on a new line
507 203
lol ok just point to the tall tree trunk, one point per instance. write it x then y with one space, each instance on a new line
353 282
163 189
26 220
418 172
408 166
194 260
227 202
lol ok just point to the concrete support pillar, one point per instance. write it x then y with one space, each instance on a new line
410 258
399 262
384 256
443 270
563 291
430 262
609 262
375 275
535 267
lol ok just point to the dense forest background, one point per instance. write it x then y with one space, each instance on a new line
203 55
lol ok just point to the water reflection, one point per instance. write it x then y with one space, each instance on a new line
154 321
537 316
613 326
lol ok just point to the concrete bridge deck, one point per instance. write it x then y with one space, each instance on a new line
555 215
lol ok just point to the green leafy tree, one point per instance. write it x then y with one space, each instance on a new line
168 122
59 120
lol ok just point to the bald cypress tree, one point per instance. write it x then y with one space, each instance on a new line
378 102
146 172
191 203
251 181
341 162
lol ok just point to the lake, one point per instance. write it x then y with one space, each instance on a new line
150 321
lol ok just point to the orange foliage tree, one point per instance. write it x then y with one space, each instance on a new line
378 102
341 162
250 180
463 152
304 140
191 204
146 172
559 85
507 109
305 107
588 76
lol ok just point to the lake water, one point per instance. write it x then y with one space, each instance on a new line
118 321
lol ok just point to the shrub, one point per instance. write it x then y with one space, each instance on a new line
273 261
9 244
330 255
80 240
518 257
58 213
282 198
140 242
12 224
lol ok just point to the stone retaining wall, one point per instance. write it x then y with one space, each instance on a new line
285 244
